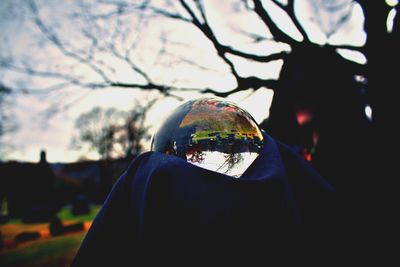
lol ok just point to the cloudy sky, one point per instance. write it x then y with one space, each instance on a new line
46 121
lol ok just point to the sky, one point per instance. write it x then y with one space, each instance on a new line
42 126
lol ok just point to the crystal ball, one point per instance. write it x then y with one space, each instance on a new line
211 133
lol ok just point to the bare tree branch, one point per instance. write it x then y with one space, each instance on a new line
350 47
222 50
4 89
39 73
195 14
290 11
278 34
121 8
281 5
87 57
254 36
207 31
42 90
168 14
128 60
268 58
245 83
52 36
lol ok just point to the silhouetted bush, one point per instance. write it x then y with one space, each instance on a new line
27 236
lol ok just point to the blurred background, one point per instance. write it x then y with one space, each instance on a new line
85 83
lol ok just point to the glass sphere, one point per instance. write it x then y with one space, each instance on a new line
211 133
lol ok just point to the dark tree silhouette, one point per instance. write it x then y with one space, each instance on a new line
382 51
3 92
97 128
97 41
113 133
7 125
134 131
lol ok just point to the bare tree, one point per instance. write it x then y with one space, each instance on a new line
7 125
3 92
97 128
112 133
135 131
109 35
112 45
106 31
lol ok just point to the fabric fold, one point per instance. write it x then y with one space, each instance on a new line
163 204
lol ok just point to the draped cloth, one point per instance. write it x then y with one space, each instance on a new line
163 208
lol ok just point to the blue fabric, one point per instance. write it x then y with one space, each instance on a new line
165 205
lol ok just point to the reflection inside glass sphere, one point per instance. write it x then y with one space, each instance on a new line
211 133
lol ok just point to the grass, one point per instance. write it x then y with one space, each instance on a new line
204 134
48 251
16 226
57 251
11 229
65 214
